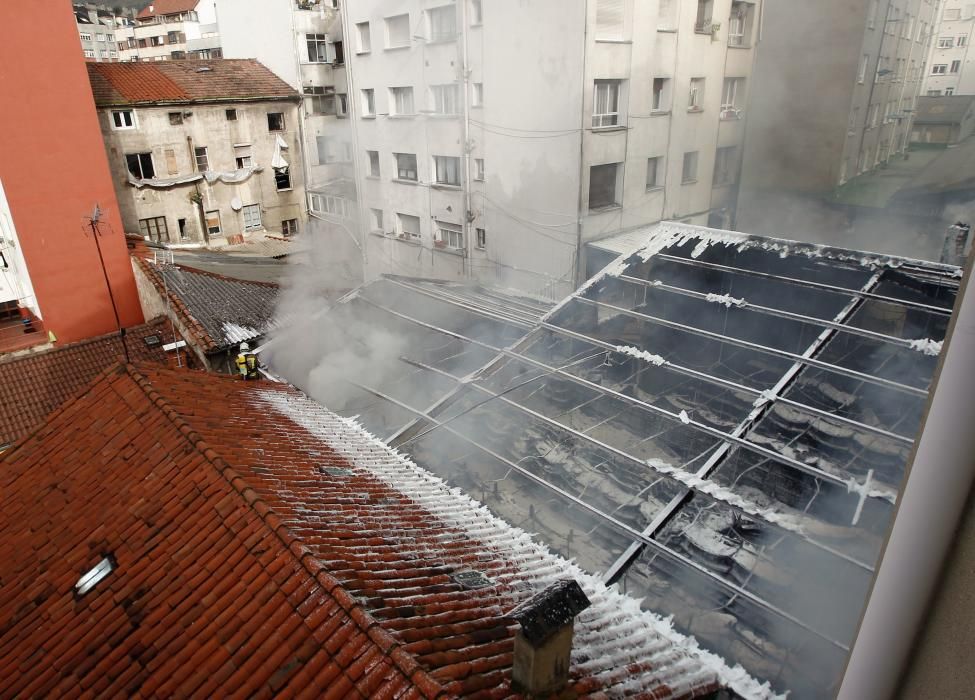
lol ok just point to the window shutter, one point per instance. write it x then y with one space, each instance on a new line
609 19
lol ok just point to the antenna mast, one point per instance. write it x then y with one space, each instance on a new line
96 216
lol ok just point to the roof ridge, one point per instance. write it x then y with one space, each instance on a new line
404 661
78 343
225 278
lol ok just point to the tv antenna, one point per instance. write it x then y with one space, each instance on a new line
93 221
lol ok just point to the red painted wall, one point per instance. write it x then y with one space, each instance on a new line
54 169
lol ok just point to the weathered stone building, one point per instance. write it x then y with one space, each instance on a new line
201 151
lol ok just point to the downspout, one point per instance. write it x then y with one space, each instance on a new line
198 198
580 274
937 487
466 182
301 107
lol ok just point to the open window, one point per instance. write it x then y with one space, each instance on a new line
140 165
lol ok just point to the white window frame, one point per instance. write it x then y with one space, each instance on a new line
445 99
243 156
316 46
695 95
368 102
617 187
450 235
479 169
955 67
85 37
117 115
477 94
660 100
372 159
480 238
404 168
249 212
607 104
363 37
289 227
205 156
446 170
737 24
389 24
209 216
319 99
376 220
729 97
398 101
402 230
689 178
477 13
152 162
654 166
439 27
946 42
939 69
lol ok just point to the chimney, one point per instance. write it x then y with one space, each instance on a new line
544 643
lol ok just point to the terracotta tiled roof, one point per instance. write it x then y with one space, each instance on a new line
167 7
33 385
185 82
266 545
218 312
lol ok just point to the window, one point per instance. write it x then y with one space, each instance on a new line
695 99
282 179
242 155
950 91
479 169
342 105
476 14
213 222
654 173
154 228
862 72
724 166
175 118
952 14
363 38
289 227
376 219
955 67
738 24
660 101
319 99
961 41
252 217
606 104
408 226
450 235
477 94
481 237
443 23
338 52
397 31
447 170
100 571
667 15
123 119
140 165
445 99
934 93
369 102
702 23
373 163
874 113
85 37
689 173
946 42
604 185
609 19
231 115
405 166
732 96
333 150
401 101
317 48
202 163
329 204
275 121
939 69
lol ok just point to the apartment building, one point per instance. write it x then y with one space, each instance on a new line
171 30
97 25
835 90
951 68
302 42
480 148
201 152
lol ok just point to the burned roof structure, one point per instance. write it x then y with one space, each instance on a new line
176 533
717 422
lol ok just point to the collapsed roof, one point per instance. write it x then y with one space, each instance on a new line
199 535
719 422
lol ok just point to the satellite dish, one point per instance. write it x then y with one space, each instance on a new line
236 204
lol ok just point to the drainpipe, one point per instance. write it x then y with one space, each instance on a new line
198 199
580 275
938 483
466 182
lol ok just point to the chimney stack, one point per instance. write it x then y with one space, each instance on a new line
544 643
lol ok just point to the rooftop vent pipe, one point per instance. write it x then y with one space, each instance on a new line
544 643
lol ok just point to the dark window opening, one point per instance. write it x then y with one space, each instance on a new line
175 118
275 121
282 179
602 186
140 165
231 115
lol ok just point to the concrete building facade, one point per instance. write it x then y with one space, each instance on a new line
483 149
172 30
833 99
201 152
97 27
951 63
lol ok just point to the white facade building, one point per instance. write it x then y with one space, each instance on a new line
15 284
172 30
97 29
482 148
951 63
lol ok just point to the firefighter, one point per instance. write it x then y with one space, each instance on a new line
247 363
